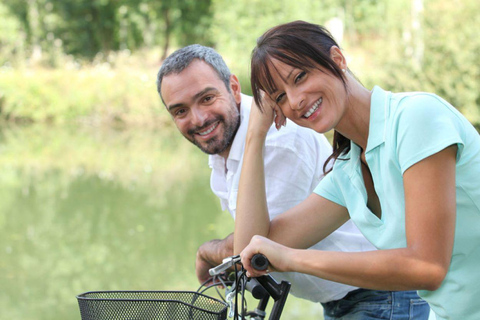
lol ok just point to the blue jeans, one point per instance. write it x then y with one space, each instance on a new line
362 304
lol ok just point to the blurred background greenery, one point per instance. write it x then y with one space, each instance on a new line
95 60
98 191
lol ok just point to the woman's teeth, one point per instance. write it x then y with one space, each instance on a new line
313 108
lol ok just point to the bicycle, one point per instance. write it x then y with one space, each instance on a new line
163 305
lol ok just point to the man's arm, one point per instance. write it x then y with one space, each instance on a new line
210 254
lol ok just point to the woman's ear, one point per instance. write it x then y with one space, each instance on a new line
337 56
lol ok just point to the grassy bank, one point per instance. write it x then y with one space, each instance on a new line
118 91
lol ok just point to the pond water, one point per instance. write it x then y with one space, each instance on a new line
85 208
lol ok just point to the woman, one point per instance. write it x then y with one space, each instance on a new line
406 170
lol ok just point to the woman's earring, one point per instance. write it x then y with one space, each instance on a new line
344 70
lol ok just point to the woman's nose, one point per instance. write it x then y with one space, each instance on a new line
297 102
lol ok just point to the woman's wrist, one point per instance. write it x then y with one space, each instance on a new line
256 137
291 258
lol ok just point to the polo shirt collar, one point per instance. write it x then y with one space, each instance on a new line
378 112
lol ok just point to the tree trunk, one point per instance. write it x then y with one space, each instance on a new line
417 33
34 27
168 28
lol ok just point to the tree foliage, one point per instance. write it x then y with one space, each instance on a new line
84 28
429 45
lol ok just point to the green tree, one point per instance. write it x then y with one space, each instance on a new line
35 27
83 28
11 39
435 49
88 27
187 21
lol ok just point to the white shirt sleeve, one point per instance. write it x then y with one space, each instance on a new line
294 162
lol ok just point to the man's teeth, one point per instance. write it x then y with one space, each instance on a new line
313 108
212 127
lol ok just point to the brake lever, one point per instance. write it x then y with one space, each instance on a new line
227 263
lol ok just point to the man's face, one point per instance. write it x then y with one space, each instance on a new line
204 111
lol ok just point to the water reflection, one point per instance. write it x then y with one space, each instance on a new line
87 209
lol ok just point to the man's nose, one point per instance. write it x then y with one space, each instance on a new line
198 116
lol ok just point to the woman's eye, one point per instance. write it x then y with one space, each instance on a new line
300 76
279 98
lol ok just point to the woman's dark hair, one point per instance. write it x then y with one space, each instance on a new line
302 45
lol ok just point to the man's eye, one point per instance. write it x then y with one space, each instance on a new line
208 98
300 76
179 112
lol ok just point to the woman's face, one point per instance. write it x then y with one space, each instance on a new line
311 98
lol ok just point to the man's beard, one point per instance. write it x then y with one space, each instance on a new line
217 145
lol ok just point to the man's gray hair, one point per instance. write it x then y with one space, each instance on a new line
182 58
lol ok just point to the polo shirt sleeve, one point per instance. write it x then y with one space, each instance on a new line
329 189
425 125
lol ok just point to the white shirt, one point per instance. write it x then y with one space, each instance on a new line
294 158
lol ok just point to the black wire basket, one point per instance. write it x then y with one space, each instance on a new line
155 305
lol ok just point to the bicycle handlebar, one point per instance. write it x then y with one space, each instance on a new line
259 262
261 287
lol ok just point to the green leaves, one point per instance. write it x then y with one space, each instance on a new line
401 45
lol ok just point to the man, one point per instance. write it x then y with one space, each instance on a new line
208 108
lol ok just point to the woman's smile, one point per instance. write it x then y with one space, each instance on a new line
313 109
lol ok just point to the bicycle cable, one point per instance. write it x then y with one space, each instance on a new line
237 286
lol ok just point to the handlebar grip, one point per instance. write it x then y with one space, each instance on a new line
259 262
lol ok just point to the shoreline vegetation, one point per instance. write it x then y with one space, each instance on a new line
117 92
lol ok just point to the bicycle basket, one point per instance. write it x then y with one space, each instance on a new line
158 305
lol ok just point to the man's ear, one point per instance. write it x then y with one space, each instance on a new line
337 56
235 88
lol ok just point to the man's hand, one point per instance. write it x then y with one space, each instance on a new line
210 254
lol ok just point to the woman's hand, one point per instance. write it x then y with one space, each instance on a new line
277 255
278 117
262 119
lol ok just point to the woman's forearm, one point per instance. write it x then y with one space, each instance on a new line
395 269
392 269
252 212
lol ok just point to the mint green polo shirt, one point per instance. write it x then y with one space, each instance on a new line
404 129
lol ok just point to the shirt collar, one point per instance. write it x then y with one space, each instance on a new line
378 112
